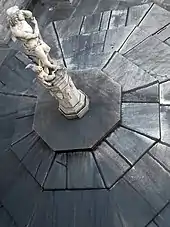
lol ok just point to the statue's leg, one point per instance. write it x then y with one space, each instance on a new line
47 49
40 54
50 59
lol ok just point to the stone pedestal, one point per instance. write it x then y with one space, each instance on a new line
73 103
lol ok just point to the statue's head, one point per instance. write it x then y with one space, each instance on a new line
14 14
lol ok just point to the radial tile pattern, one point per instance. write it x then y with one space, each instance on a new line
125 179
103 115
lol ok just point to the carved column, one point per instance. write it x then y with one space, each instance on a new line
73 103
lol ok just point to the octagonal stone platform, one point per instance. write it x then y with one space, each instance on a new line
62 134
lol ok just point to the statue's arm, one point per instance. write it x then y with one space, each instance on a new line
24 35
27 13
36 28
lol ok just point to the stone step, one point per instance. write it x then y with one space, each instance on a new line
149 44
100 21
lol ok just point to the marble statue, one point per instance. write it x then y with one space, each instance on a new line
31 38
73 103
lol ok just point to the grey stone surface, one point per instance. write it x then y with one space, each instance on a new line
44 210
7 128
91 23
22 195
115 38
56 178
26 106
6 219
3 54
165 93
142 117
13 167
26 142
163 3
146 94
88 60
76 44
47 11
153 56
89 7
167 41
126 73
151 180
23 58
61 158
49 36
136 13
110 164
83 171
69 27
15 77
104 95
137 36
161 153
105 20
132 146
91 204
163 34
38 160
23 126
155 19
118 18
165 121
162 219
12 106
152 224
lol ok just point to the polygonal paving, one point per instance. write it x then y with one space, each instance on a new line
62 134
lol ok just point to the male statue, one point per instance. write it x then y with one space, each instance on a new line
72 102
31 38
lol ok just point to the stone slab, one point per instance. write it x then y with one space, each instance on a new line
146 94
38 160
68 27
163 218
151 180
91 23
116 37
136 13
25 142
129 144
142 117
165 93
111 165
161 153
56 178
165 122
105 20
44 210
153 56
126 73
74 45
155 19
88 60
118 18
100 207
104 114
83 172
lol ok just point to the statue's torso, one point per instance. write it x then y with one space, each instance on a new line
25 27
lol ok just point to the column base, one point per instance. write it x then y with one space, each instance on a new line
77 111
